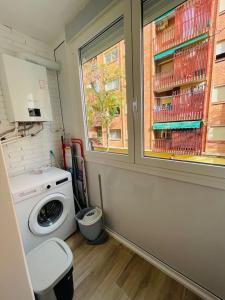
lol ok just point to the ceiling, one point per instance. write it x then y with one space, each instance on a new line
41 19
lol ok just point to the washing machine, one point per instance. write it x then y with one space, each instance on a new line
44 205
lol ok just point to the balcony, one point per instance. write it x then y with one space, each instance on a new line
189 66
191 19
185 105
182 142
165 39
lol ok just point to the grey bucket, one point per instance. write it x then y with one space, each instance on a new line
90 230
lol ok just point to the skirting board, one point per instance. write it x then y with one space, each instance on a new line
198 290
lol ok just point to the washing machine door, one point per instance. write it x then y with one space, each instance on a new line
49 214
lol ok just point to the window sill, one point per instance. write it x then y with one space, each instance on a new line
216 141
219 60
115 140
221 12
213 181
218 103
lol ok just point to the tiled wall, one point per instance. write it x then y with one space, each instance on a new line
29 153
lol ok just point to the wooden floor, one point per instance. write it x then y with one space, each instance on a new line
113 272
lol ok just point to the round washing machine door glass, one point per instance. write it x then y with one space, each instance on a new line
49 214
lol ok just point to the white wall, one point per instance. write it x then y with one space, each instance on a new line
31 152
67 113
14 280
181 224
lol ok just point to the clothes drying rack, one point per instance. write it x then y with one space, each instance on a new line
74 162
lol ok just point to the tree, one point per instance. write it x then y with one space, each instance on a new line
103 102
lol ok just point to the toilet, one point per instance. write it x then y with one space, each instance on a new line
51 270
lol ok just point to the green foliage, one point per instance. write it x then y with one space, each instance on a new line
102 103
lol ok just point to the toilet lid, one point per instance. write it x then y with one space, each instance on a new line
48 264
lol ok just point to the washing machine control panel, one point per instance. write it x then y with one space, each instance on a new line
32 192
28 193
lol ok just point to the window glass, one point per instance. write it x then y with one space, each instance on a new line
111 55
104 83
115 134
218 94
112 85
182 71
220 50
222 5
217 133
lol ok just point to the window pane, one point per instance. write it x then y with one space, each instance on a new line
222 5
220 50
115 134
218 94
184 82
104 82
217 133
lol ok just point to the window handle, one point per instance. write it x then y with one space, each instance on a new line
135 107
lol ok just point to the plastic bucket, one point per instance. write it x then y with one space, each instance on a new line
90 222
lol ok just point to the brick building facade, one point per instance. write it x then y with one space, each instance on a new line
184 101
216 120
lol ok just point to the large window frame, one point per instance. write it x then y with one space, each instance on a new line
113 13
176 168
206 174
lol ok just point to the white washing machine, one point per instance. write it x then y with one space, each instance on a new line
44 206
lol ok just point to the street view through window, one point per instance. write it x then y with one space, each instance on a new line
104 83
184 87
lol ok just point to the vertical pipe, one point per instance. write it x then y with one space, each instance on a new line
101 197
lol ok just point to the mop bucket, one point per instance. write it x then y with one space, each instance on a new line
90 222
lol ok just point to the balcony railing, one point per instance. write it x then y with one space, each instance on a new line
192 19
183 142
189 65
163 80
165 39
185 105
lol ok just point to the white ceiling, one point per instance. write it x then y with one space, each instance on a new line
41 19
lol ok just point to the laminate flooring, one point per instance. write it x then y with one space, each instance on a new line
113 272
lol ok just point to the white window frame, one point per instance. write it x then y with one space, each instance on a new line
173 168
110 15
205 174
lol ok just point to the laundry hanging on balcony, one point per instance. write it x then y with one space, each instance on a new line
177 125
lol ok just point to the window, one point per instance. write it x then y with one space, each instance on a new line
118 110
173 81
99 132
111 56
177 117
105 89
218 94
220 50
217 133
112 85
222 6
115 134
